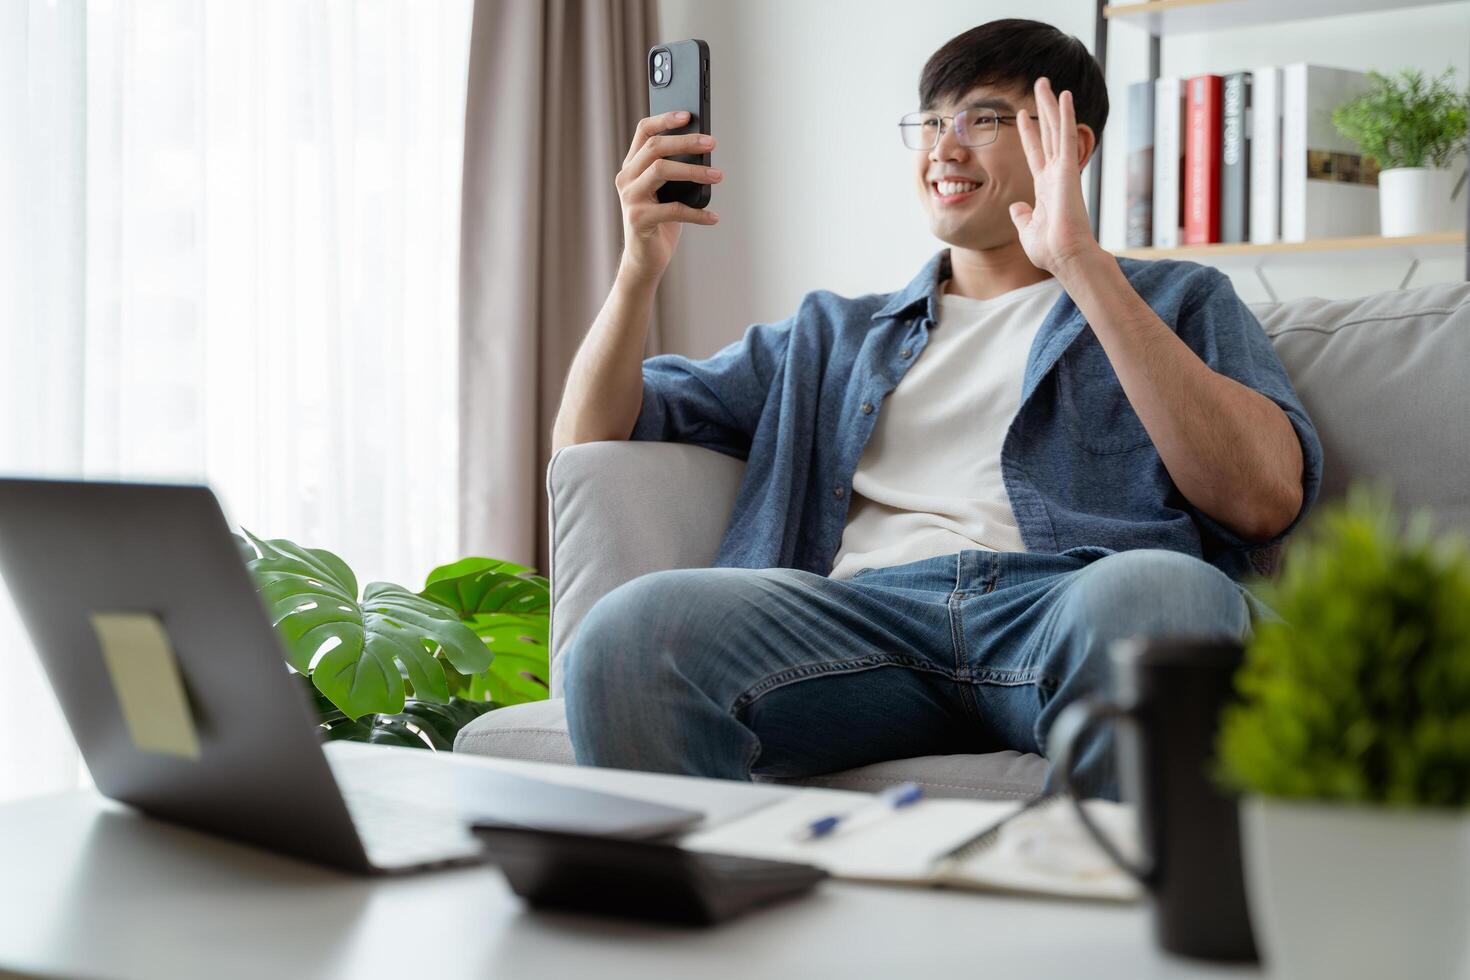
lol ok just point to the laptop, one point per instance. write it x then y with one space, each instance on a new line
132 591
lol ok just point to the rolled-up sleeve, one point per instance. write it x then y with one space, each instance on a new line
1226 335
716 402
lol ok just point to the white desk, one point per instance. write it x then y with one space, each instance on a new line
89 888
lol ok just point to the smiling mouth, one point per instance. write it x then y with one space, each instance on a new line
950 191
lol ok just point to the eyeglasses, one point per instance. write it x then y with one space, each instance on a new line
972 127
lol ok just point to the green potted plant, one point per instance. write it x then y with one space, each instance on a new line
1413 131
398 667
1351 745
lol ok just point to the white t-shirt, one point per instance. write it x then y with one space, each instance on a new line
929 481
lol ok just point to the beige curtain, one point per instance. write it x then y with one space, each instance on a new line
555 89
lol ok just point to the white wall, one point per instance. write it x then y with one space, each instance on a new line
808 204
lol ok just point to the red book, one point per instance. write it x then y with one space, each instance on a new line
1203 106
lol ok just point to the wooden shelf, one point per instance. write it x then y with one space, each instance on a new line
1450 241
1161 17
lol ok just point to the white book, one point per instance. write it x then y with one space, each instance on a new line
1265 195
1168 159
1328 189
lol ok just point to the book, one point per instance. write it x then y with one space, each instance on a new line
1202 159
1168 160
969 844
1265 155
1329 188
1235 149
1140 165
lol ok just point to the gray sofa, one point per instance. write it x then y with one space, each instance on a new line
1383 378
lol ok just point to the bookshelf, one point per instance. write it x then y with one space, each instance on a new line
1164 17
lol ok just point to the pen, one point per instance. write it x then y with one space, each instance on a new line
884 803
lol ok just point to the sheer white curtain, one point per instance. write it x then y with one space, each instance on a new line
259 288
42 182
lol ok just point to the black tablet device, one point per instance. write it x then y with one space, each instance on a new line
638 879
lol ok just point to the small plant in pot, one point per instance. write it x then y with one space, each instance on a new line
1414 131
1351 743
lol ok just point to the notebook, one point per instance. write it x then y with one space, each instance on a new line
1043 851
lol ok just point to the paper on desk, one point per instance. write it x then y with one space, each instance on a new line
902 845
1045 851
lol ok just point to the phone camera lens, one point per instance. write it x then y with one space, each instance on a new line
658 59
658 75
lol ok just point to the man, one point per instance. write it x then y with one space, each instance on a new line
957 495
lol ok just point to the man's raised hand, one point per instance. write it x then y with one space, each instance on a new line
1055 230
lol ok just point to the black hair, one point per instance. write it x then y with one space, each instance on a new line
1012 54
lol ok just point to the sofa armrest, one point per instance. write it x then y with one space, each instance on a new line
618 510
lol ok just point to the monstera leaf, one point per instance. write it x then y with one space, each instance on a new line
509 609
358 653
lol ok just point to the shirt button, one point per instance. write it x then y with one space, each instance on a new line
905 352
837 492
867 408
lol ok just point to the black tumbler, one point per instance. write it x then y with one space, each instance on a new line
1169 692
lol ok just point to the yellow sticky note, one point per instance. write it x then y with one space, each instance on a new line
145 674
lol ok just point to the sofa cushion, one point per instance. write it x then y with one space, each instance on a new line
990 776
535 731
538 731
619 510
1381 378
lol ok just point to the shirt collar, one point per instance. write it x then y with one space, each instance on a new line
924 289
1062 324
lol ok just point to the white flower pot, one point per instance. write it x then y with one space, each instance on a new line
1417 201
1340 891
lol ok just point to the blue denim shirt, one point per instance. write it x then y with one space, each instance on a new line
1081 472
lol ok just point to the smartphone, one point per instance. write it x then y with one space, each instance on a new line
678 78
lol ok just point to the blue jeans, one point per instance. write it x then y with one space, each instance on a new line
726 672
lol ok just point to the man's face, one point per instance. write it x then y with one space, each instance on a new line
989 178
